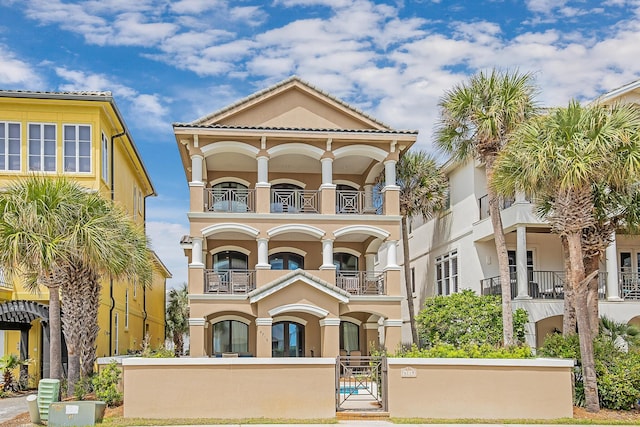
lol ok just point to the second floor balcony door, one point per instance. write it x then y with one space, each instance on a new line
230 260
286 261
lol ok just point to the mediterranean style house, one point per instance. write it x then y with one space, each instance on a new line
456 250
286 221
81 135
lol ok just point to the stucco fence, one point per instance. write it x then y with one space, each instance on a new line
234 388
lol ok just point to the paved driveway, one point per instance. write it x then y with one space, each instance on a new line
12 406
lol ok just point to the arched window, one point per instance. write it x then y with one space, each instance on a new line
230 336
349 336
287 339
230 260
286 261
345 262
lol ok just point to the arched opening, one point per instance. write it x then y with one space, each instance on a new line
230 336
287 339
286 261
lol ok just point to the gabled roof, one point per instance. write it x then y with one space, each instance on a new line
291 82
629 87
298 275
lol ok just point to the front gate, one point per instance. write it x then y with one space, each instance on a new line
361 383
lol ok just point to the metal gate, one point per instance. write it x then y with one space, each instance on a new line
361 383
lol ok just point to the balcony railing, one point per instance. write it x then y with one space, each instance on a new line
229 200
229 282
295 201
361 282
630 286
483 205
542 285
354 202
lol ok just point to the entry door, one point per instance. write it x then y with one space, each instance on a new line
287 339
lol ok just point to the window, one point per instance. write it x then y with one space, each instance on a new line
126 309
413 280
349 336
513 265
135 289
230 336
345 262
286 261
105 158
77 148
42 147
9 146
287 339
230 260
447 273
116 327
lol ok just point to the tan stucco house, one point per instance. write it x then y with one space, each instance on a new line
286 220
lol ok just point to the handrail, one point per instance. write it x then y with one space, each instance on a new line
362 282
295 201
229 200
229 281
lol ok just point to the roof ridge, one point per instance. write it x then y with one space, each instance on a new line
44 92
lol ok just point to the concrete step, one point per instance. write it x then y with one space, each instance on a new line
362 416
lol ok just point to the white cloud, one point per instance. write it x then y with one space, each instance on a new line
165 241
16 73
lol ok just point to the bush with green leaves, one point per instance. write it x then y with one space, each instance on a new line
474 351
466 318
106 384
617 369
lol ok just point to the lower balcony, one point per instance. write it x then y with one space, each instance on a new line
238 282
550 285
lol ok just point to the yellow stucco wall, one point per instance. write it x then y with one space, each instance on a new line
131 186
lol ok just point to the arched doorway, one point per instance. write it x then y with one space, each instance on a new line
287 339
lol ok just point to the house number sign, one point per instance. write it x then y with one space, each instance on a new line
408 372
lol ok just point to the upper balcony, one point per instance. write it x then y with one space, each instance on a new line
514 211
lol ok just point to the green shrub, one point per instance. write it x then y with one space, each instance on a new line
466 318
474 351
106 384
617 370
82 387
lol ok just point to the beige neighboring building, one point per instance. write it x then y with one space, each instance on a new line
285 224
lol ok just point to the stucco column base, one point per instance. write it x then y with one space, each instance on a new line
196 196
330 337
196 279
522 297
328 199
393 335
615 299
197 337
263 336
391 194
263 197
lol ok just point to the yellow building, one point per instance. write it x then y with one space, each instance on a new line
285 224
81 135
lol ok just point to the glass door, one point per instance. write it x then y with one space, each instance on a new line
287 339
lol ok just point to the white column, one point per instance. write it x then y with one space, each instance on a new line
196 252
370 261
196 168
611 264
390 173
327 171
263 254
327 255
263 170
521 264
392 255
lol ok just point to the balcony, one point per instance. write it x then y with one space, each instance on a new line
229 200
295 201
542 285
483 205
361 282
229 282
630 286
355 202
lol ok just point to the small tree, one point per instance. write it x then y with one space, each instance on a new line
466 318
177 323
8 363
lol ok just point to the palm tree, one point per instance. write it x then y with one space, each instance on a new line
177 320
623 335
476 120
558 158
423 191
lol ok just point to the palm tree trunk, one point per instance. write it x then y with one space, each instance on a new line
90 327
577 277
503 259
55 331
592 264
569 318
407 279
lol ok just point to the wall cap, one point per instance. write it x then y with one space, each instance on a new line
217 361
541 362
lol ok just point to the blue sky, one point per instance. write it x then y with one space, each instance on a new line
174 61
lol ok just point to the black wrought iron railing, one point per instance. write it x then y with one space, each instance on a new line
542 285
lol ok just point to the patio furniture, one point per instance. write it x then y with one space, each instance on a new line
240 282
214 282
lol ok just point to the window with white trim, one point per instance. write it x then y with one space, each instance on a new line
77 148
126 309
10 146
42 147
105 157
447 273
